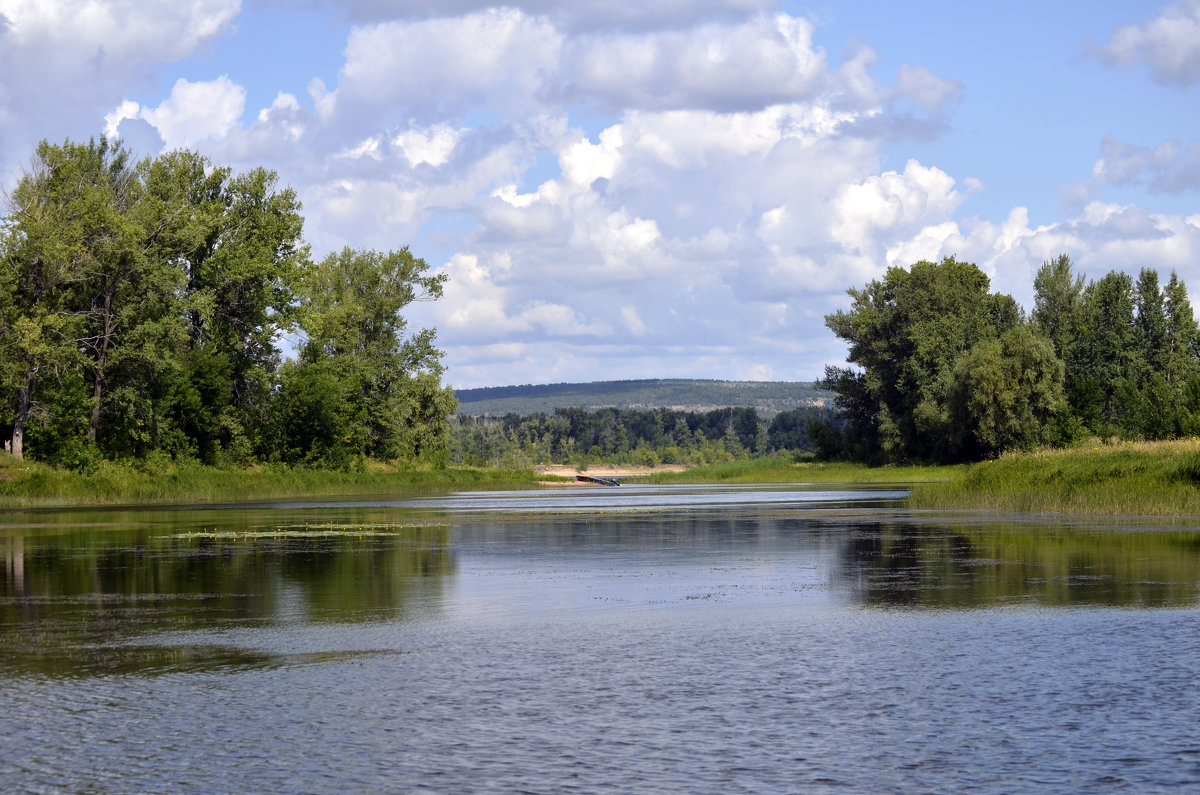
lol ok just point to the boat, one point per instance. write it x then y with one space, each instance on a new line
598 481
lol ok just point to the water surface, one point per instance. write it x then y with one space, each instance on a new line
711 639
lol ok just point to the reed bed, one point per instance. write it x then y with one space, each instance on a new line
1113 479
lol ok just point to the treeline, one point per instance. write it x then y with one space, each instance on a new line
143 306
630 436
948 371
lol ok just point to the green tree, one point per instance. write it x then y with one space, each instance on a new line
906 334
1057 294
1150 324
351 311
1007 392
1182 339
236 240
1106 360
54 214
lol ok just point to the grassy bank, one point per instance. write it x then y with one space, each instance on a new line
1121 479
1145 479
785 470
30 484
1124 479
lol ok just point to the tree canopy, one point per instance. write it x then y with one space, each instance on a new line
946 370
142 308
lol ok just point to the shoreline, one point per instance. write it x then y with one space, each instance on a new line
601 471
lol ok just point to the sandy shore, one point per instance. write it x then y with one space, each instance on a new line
606 471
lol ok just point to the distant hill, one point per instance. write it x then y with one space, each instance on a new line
681 394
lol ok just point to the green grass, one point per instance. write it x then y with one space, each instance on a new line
30 484
1126 479
1151 479
786 470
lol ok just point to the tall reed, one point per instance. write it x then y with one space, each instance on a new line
1122 479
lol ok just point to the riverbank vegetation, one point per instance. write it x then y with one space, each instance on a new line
143 309
946 371
1103 479
1116 479
164 482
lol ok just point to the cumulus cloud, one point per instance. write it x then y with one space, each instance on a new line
1100 238
115 32
495 59
479 306
433 145
1169 44
763 61
63 63
628 189
892 203
585 15
196 111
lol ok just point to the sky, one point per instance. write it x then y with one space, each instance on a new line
622 189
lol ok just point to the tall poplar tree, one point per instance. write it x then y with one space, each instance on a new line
363 385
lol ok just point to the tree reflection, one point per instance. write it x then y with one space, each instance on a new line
907 564
69 602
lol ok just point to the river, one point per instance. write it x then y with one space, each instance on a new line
632 639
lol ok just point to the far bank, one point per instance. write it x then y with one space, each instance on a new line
1115 479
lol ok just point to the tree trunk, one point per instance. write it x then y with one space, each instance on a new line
101 364
24 406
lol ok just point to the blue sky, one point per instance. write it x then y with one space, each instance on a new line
624 189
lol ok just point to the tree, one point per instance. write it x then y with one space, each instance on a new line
351 313
52 218
1007 392
1057 295
1105 360
906 334
1182 339
1150 324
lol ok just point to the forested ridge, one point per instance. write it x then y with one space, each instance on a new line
143 307
944 370
682 394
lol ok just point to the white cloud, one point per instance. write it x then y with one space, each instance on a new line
64 63
1101 238
478 306
194 112
1169 44
285 114
496 58
1170 167
610 14
923 87
584 162
704 227
633 321
763 61
115 31
323 100
892 203
433 145
368 147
